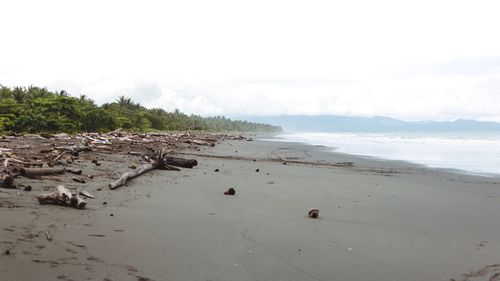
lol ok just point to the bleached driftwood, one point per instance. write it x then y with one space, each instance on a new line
62 196
159 163
78 202
131 174
86 194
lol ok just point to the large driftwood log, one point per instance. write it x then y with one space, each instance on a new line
37 172
159 163
132 174
181 162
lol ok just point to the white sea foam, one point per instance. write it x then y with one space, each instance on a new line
477 153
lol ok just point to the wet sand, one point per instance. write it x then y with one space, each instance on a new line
379 220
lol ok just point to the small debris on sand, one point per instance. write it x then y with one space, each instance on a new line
313 213
86 194
230 191
80 180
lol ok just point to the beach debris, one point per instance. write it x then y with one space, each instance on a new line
181 162
132 166
79 179
159 163
216 170
37 172
257 170
103 147
313 213
130 175
199 142
73 171
86 194
96 162
230 191
47 234
28 188
284 163
62 196
6 180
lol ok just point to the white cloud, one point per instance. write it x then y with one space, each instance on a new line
407 59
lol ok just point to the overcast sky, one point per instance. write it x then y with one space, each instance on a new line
406 59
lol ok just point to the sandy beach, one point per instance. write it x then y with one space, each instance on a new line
379 220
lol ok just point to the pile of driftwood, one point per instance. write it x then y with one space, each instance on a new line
36 156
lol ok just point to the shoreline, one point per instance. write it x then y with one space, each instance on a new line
379 220
332 149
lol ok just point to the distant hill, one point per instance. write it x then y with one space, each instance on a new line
333 123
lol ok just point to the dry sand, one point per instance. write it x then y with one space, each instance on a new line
379 220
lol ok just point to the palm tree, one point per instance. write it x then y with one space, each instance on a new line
19 94
124 101
5 92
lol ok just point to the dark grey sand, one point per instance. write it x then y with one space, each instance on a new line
379 220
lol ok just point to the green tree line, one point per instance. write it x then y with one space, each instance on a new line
36 110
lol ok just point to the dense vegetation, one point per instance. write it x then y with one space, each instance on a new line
34 110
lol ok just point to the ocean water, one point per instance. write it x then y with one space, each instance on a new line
471 152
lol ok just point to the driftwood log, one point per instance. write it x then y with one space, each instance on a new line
159 163
62 196
199 142
6 180
37 172
73 149
181 162
78 202
132 174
